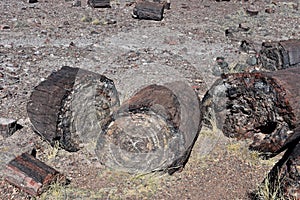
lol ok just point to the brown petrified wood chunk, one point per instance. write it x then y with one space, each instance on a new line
149 10
31 175
71 106
263 107
283 181
280 55
99 3
154 130
7 126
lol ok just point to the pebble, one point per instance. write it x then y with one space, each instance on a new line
37 53
86 19
251 61
8 46
7 126
76 3
251 11
96 22
270 10
5 27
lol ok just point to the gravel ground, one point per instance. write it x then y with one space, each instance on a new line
37 39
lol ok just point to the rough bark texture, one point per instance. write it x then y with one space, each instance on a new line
152 131
280 55
46 101
284 178
31 175
99 3
149 10
71 106
263 107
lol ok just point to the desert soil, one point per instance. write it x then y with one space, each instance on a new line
37 39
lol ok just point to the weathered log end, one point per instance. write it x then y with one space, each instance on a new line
71 106
280 55
149 10
150 131
263 107
31 175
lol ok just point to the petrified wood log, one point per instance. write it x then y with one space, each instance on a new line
153 130
280 55
148 10
31 175
99 3
71 106
262 106
284 178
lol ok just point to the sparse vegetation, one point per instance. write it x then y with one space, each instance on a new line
270 191
53 151
137 187
251 157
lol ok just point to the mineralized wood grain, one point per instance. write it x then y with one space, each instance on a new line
280 55
149 10
31 175
284 178
260 106
154 130
71 106
45 102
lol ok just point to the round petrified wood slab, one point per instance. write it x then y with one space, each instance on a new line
153 130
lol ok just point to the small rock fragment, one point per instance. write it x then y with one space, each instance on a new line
32 1
244 27
5 27
76 3
96 22
270 10
221 67
7 126
221 62
251 11
86 19
252 61
99 3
